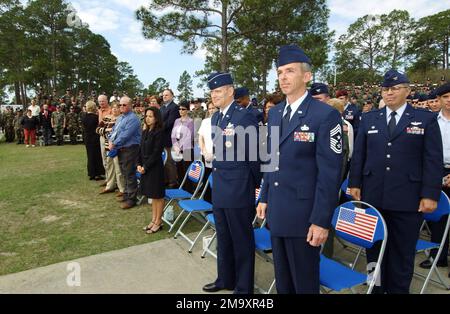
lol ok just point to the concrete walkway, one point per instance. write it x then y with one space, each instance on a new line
159 267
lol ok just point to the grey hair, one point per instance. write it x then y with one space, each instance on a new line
306 67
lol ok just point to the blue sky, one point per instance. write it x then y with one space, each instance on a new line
150 59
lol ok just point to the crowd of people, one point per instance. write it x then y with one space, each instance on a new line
399 163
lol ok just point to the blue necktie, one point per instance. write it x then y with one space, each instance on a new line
219 121
392 123
285 121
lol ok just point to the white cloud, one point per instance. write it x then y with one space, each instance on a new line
344 12
135 41
132 4
98 18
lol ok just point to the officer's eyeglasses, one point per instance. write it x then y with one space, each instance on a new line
393 88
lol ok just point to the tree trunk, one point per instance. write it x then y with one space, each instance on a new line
53 31
224 54
24 86
445 52
264 73
17 92
22 96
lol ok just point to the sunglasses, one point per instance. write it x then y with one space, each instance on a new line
182 109
123 105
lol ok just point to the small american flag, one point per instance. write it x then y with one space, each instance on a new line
257 190
357 224
195 171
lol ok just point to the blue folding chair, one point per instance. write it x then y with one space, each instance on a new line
210 222
263 244
346 190
192 207
443 208
361 227
195 174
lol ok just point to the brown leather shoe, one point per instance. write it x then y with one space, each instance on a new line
119 194
127 205
121 199
105 191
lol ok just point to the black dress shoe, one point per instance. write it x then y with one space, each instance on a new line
211 287
426 264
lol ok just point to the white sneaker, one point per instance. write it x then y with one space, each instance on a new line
28 145
33 145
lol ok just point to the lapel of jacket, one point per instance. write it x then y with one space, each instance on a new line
296 118
405 120
223 124
381 124
227 118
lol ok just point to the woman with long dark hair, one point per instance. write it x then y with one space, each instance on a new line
151 167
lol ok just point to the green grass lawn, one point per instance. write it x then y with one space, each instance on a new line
50 212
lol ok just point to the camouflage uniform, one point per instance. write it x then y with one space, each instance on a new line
58 126
18 127
141 117
82 114
9 126
73 124
197 113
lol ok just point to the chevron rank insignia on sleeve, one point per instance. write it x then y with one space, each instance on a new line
336 139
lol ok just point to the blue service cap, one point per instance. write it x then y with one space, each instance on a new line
292 54
319 88
443 89
432 95
241 92
423 97
219 79
393 77
113 153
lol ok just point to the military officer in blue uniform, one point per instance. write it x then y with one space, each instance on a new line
438 228
397 168
351 112
242 97
301 191
235 176
320 92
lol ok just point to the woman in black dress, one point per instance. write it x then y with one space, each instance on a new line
92 141
150 165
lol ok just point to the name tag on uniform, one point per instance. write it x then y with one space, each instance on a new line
415 130
349 117
304 137
372 132
228 132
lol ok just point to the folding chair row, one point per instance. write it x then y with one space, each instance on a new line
191 207
195 174
443 209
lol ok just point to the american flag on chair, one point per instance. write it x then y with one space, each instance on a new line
357 224
194 171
